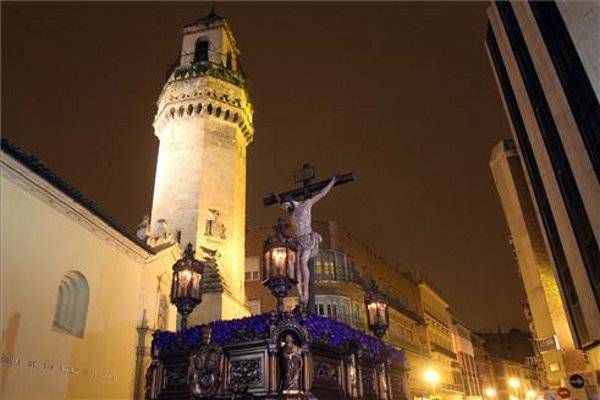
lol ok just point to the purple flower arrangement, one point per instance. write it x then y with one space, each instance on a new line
320 329
337 334
165 340
246 329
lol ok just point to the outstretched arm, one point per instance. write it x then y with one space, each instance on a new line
324 191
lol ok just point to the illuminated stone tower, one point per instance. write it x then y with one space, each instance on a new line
204 124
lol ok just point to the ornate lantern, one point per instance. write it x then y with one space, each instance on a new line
279 263
186 284
377 311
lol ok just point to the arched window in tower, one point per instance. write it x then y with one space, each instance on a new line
201 51
229 61
72 304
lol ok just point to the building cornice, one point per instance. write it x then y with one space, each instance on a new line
205 97
431 290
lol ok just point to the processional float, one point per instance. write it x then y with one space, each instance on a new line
281 354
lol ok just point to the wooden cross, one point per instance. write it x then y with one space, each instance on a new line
305 177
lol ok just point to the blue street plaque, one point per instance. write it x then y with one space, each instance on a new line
577 381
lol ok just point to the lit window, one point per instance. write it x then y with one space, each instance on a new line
252 272
72 304
356 320
336 307
332 265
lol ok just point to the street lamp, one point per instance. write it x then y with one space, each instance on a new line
515 384
490 392
433 378
279 263
186 284
377 310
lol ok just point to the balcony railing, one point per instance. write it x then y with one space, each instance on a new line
355 278
208 68
442 350
452 387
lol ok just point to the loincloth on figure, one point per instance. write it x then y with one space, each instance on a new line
310 242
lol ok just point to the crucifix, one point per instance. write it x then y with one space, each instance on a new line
305 177
298 204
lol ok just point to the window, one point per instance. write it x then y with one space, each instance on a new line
201 51
333 265
254 306
336 307
356 314
340 265
351 269
252 269
72 304
228 61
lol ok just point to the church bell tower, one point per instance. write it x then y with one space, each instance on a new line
204 124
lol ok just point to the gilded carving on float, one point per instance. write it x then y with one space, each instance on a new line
206 367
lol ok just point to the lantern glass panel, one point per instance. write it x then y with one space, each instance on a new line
184 277
291 264
196 285
372 313
381 313
267 265
278 261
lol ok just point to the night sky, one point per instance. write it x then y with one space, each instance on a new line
401 94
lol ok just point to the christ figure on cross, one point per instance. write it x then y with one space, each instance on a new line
307 241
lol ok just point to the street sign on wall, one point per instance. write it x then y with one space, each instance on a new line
577 381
